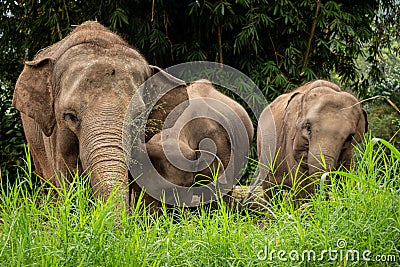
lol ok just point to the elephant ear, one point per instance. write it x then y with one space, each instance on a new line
362 126
266 141
291 97
33 94
292 113
163 82
174 93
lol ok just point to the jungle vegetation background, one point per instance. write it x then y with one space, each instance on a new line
279 44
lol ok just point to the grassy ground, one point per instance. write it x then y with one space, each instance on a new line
358 226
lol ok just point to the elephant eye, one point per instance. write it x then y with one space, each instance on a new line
70 117
307 127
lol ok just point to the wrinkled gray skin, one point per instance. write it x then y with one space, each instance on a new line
195 131
72 98
316 118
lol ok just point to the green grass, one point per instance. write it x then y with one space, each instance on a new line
362 216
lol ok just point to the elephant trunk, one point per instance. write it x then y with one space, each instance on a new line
321 159
102 154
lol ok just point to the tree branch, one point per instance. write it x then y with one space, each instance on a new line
314 25
220 43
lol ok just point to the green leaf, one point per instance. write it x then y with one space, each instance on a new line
393 149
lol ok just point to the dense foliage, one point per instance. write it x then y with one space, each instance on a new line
279 44
384 115
11 135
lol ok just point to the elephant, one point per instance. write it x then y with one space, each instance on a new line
311 129
194 127
73 97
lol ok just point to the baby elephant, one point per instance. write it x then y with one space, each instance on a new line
308 130
213 132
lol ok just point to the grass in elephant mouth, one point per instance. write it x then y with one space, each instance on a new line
75 231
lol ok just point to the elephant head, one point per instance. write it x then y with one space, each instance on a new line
73 98
316 128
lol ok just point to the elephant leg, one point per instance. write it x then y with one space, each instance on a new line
268 187
301 192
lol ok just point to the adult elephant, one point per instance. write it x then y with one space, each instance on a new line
73 97
309 130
